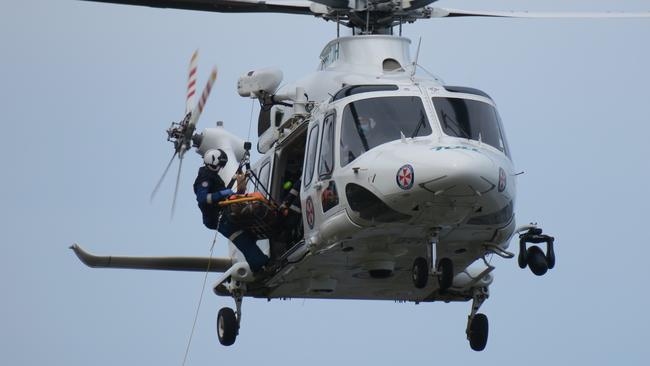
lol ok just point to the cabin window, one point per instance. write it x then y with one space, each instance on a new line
263 121
326 161
329 197
471 119
310 159
278 117
368 123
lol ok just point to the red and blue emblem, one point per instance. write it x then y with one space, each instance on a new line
405 177
310 212
502 180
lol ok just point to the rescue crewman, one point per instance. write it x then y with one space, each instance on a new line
290 194
210 189
290 210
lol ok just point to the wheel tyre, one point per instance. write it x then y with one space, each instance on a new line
420 272
227 327
537 260
446 274
478 332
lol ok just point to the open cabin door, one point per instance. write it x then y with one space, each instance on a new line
287 170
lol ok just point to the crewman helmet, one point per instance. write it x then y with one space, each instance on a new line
215 159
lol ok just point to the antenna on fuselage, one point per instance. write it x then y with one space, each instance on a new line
417 55
338 26
367 21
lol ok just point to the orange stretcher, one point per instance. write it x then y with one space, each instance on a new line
253 212
248 197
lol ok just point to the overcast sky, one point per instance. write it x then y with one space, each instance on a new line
88 89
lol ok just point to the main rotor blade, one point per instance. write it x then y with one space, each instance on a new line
178 178
224 6
155 190
447 13
334 4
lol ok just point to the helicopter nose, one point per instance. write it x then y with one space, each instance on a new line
462 173
459 173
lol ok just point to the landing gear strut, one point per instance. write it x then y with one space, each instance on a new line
477 323
534 257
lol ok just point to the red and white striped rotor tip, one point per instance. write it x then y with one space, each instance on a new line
208 88
191 82
196 112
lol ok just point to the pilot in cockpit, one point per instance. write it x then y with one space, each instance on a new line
366 125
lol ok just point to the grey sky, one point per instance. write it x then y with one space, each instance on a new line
87 90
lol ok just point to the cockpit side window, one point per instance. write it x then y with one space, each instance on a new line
471 119
326 161
368 123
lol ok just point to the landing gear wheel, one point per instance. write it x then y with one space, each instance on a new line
420 274
445 274
537 260
227 326
478 332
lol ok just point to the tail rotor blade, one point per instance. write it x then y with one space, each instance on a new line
196 113
191 82
162 178
178 178
180 133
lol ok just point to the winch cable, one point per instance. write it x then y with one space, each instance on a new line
250 121
205 279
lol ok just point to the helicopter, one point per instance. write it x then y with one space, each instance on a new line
406 183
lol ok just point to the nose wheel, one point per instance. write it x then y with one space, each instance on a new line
534 257
444 272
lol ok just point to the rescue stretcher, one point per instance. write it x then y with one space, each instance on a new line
252 212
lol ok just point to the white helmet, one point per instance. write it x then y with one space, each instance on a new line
215 159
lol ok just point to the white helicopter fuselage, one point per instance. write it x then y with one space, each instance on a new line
404 184
368 213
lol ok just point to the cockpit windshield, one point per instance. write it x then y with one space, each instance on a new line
471 119
368 123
